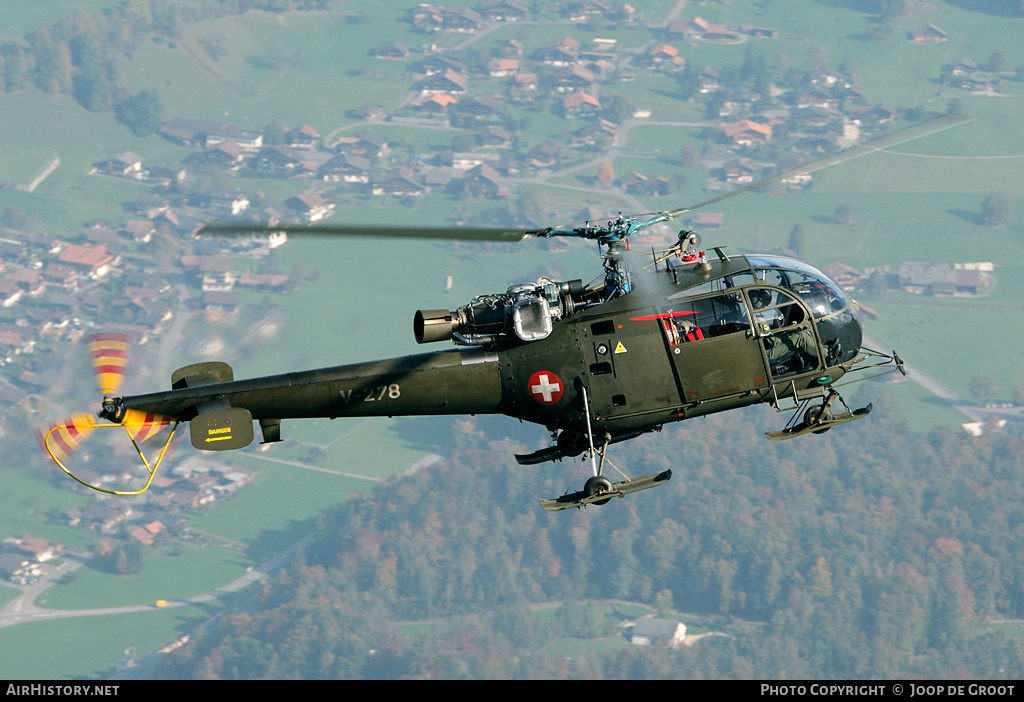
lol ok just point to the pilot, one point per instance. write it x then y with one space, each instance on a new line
788 351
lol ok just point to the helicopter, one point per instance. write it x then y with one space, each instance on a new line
688 334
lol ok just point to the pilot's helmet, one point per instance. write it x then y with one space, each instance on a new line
760 298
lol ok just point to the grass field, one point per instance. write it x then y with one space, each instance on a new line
89 647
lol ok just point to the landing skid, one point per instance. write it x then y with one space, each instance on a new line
818 419
621 489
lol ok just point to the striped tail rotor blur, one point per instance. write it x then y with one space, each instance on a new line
109 352
62 440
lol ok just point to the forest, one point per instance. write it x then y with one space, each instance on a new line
869 552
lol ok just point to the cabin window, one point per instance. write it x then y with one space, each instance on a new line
602 328
706 318
618 400
603 368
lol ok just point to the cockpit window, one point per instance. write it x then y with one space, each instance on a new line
814 288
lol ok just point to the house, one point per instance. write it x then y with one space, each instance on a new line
367 110
138 230
564 52
638 184
206 133
18 569
224 156
927 34
947 279
495 137
310 206
649 631
397 185
437 103
458 19
581 104
484 181
450 81
278 159
699 29
428 18
228 202
747 133
662 56
392 51
502 67
345 168
567 79
504 10
93 261
303 137
126 164
222 301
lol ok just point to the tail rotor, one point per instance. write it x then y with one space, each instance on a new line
109 354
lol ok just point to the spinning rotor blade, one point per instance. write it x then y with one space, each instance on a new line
889 140
495 234
109 354
62 440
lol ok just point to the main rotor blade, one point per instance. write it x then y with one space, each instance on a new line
495 234
889 140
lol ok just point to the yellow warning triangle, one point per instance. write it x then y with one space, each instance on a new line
620 348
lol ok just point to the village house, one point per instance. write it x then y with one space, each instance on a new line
564 52
502 67
581 104
126 165
569 79
504 10
206 133
927 34
223 156
345 168
309 206
92 261
746 133
450 81
437 103
392 51
649 631
397 185
459 19
947 279
302 137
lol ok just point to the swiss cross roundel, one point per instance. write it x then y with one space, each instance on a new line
545 387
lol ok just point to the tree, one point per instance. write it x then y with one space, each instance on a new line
605 173
796 239
984 387
143 112
997 209
997 61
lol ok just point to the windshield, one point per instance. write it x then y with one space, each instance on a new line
821 295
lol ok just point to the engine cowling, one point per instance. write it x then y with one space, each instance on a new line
523 312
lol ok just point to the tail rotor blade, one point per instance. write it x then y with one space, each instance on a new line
109 354
143 425
62 440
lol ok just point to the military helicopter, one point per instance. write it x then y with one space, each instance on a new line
687 334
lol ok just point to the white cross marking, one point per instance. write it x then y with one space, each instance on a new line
545 389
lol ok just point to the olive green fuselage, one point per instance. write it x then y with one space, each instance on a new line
628 361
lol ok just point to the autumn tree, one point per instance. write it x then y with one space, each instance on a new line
605 173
